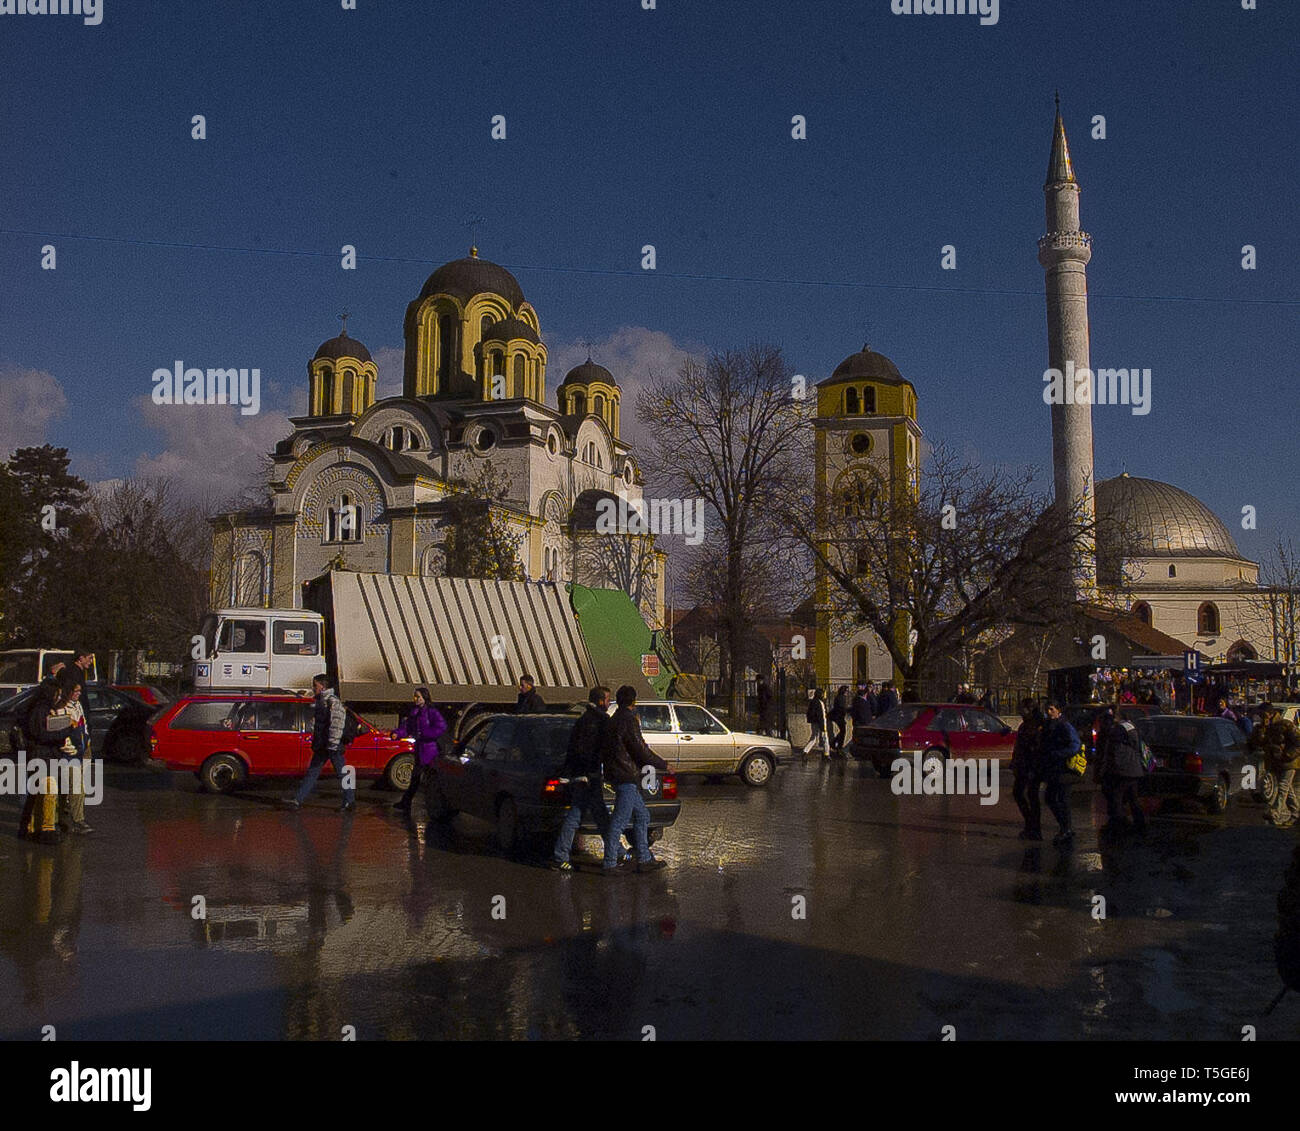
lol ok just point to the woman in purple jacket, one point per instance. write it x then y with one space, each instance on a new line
425 724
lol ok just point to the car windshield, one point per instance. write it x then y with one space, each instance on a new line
548 739
900 718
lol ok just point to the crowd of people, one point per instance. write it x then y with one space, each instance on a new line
57 740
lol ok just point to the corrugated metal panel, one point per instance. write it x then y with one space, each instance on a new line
394 632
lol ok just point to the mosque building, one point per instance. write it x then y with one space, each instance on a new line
361 483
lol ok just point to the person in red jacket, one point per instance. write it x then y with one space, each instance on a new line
628 761
425 724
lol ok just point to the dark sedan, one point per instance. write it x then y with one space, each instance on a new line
1195 757
506 770
117 720
1086 717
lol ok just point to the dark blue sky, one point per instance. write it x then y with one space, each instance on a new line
669 127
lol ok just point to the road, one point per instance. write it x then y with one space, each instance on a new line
821 907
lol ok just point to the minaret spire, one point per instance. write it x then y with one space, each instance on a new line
1064 253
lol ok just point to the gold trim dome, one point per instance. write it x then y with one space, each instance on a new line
1158 520
465 278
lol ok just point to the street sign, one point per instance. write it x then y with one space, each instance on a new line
649 664
1192 662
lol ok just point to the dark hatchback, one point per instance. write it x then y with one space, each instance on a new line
1195 757
117 720
1085 718
506 770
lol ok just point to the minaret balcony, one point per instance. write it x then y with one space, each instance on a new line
1059 241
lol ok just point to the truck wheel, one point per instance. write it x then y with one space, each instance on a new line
1268 787
397 774
932 757
436 800
507 825
221 773
756 770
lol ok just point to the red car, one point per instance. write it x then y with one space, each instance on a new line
150 695
933 730
227 739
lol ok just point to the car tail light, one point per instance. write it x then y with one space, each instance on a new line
670 788
1192 764
153 741
552 789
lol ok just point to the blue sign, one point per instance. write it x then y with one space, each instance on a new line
1192 662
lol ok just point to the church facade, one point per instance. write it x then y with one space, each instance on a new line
363 484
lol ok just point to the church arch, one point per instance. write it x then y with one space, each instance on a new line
1142 611
1207 619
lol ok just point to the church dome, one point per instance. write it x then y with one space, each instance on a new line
342 346
869 364
1159 520
588 372
465 278
509 329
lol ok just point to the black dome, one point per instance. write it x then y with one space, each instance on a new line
465 278
508 329
342 346
587 372
867 363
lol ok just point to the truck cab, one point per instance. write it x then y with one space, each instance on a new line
21 668
256 648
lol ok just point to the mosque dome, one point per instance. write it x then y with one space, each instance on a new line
342 346
1159 520
510 329
465 278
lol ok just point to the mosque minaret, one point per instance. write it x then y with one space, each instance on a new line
1064 253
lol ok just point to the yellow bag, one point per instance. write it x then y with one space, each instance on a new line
1078 764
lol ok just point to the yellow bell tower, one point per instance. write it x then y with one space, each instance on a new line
341 377
866 422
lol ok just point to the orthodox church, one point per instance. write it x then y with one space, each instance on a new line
362 483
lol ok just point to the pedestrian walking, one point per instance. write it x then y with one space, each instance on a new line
816 715
582 766
43 734
1027 768
529 701
1060 744
1120 765
888 699
764 707
625 757
75 748
963 694
424 723
1276 743
836 717
327 745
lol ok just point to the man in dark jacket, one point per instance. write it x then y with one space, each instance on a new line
1027 768
582 766
888 699
1119 751
529 702
38 819
628 761
1060 744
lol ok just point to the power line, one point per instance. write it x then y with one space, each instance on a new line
682 275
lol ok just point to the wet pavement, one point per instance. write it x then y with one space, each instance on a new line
821 907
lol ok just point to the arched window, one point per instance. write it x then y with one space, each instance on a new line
326 392
446 349
520 390
869 399
1242 651
579 404
485 324
343 521
598 405
1143 612
349 390
1207 619
851 402
251 592
614 402
1173 571
860 664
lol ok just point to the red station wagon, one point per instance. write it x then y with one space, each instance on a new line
228 738
933 730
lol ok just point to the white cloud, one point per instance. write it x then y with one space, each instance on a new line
29 400
632 354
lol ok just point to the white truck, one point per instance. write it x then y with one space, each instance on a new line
21 668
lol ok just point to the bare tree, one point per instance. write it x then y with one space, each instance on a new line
931 568
726 430
1276 604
